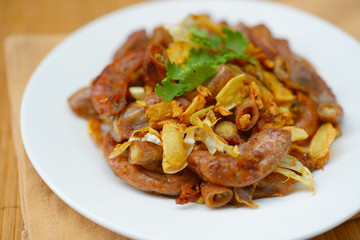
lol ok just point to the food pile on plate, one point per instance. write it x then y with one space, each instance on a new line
211 113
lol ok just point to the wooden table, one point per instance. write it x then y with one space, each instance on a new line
51 16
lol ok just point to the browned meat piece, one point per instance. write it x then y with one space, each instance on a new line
183 102
188 194
247 114
132 118
146 180
307 114
219 81
304 158
161 37
305 77
275 184
154 65
302 75
259 157
244 195
215 196
108 91
143 153
154 166
81 104
136 41
229 132
284 51
261 36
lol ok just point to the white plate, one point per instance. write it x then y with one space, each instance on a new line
60 149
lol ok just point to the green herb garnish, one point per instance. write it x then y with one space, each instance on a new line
201 63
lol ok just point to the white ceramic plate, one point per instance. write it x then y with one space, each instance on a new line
60 149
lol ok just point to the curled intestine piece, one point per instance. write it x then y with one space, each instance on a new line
154 65
132 118
246 114
219 81
260 155
136 41
108 91
215 196
144 153
305 77
161 37
307 114
144 179
275 184
301 74
244 195
229 132
261 36
81 104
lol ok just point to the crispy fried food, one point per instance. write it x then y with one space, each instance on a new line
259 157
248 131
307 115
297 134
197 104
178 52
161 37
174 157
144 153
246 114
188 194
135 42
108 91
144 179
206 135
95 130
132 118
245 195
81 104
294 169
281 93
302 154
215 196
154 65
164 110
137 92
305 77
231 95
219 81
320 143
302 74
228 131
275 184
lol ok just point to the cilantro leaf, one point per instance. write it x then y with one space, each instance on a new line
235 41
196 74
234 45
173 71
188 78
202 37
202 56
169 90
201 63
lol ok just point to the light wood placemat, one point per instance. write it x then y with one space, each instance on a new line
45 215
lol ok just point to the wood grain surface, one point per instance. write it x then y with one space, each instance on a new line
53 16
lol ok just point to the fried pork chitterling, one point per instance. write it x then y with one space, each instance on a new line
211 113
